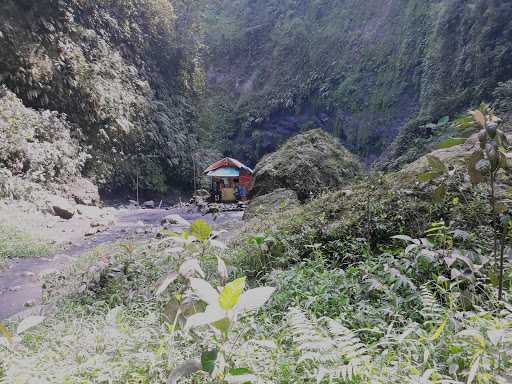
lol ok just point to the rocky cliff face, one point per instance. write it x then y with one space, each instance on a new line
360 70
124 73
157 86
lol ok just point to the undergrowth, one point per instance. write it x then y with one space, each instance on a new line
15 243
372 285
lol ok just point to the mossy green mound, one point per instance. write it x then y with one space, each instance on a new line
307 164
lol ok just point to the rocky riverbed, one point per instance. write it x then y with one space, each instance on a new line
21 280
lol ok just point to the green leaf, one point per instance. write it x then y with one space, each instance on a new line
427 176
439 331
210 316
5 333
239 371
208 359
201 230
254 299
259 239
222 325
451 142
204 291
443 120
231 293
439 194
28 323
406 238
164 282
436 164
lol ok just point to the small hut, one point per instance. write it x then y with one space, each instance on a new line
231 180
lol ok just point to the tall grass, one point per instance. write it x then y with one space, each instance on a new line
15 243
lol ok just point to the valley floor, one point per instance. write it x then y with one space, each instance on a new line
22 279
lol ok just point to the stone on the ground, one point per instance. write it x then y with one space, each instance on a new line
90 232
150 204
276 201
202 193
175 219
307 164
83 191
61 208
30 303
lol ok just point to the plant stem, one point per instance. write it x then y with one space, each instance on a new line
502 256
493 222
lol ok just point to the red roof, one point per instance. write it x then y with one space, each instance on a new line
228 162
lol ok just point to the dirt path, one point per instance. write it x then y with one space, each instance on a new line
21 281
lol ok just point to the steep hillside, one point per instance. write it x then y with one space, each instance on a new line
124 72
156 86
360 70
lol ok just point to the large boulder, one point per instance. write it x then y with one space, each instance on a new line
307 164
275 201
175 219
82 191
60 207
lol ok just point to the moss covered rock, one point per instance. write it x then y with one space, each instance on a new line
307 164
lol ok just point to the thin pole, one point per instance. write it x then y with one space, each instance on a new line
194 172
138 203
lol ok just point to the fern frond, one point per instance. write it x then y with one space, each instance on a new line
257 356
332 350
432 311
344 372
347 342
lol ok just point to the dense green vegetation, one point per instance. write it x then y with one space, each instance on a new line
343 277
377 285
307 164
126 74
384 281
155 86
360 70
